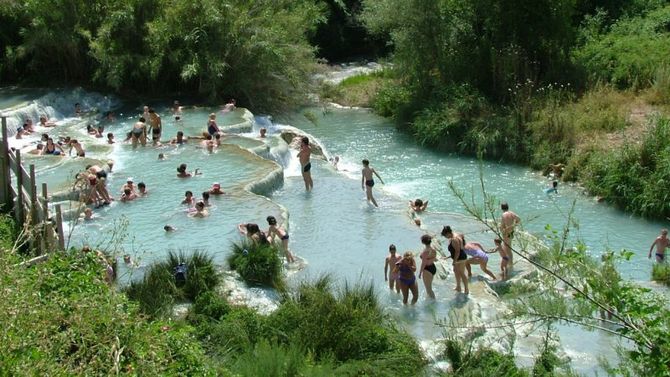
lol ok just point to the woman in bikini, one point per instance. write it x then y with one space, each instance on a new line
478 256
280 232
52 148
428 269
139 132
212 127
406 279
458 256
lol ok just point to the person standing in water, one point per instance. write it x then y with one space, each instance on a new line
508 222
428 268
458 257
280 232
406 277
156 126
503 257
305 163
367 181
661 243
390 269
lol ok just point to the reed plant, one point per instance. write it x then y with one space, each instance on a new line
158 290
661 273
258 263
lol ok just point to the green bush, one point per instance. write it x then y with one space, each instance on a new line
629 53
239 330
157 292
661 273
257 263
8 232
60 318
479 362
210 304
631 177
346 327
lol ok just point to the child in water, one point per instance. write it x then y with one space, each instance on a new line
390 270
553 189
182 173
504 259
367 179
188 198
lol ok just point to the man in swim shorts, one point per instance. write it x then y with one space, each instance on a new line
508 222
368 181
156 126
304 156
661 243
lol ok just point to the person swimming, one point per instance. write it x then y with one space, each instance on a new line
553 189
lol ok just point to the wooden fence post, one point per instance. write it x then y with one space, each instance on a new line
47 230
34 211
45 203
5 193
59 228
20 213
34 204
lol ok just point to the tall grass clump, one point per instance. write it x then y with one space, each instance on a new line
158 290
661 273
347 327
257 263
468 361
8 232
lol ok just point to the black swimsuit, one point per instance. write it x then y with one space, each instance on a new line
307 167
431 268
452 251
370 182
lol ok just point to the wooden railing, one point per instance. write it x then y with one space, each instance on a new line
19 195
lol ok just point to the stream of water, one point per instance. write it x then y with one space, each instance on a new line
333 229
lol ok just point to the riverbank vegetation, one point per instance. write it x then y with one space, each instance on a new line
563 83
257 263
181 277
577 289
255 51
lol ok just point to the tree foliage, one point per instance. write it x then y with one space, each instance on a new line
256 51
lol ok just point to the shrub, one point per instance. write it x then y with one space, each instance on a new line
61 318
8 232
157 291
479 362
347 327
630 177
630 52
661 273
257 263
210 304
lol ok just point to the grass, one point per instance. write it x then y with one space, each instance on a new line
356 90
315 331
157 292
257 263
661 273
61 318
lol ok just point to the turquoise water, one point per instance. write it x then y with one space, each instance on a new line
411 171
332 228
